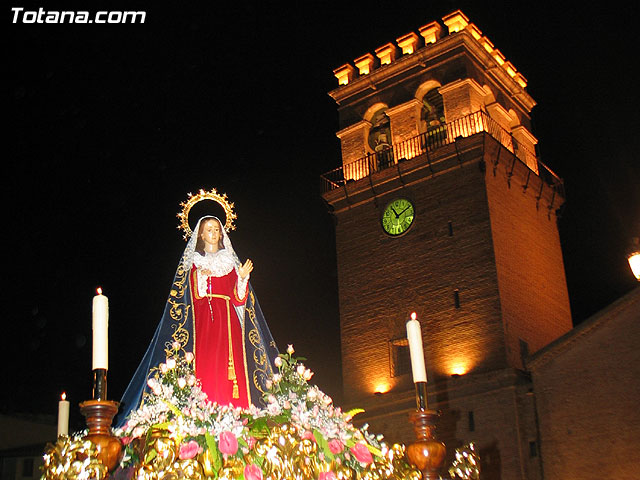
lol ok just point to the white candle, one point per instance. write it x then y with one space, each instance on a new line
414 335
100 331
63 415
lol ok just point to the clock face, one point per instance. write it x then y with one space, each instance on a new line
398 217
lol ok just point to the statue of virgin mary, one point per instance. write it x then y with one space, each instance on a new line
213 312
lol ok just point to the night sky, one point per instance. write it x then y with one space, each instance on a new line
112 125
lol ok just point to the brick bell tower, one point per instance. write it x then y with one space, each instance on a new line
442 207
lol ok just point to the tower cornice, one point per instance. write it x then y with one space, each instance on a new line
503 75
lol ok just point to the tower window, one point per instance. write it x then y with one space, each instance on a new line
456 298
524 351
533 449
399 359
472 422
27 467
450 229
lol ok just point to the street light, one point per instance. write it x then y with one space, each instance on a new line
634 257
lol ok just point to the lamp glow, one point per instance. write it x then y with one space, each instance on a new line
634 263
382 388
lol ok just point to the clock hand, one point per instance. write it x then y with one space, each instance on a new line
403 210
396 213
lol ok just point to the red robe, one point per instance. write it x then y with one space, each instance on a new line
223 375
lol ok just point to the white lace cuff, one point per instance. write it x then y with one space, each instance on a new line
242 286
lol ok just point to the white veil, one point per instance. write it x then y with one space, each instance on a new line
226 256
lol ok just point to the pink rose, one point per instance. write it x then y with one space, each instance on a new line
278 362
188 357
336 446
362 453
126 440
189 450
308 435
327 475
252 472
228 443
251 442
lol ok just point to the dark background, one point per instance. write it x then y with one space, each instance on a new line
112 125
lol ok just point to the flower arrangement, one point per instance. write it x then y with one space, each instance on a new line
299 434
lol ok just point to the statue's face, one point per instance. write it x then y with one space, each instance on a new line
210 233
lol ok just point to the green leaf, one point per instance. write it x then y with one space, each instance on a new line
213 448
171 407
354 411
160 426
322 443
374 450
151 454
259 428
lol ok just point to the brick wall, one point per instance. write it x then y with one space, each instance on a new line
533 290
382 279
587 391
503 425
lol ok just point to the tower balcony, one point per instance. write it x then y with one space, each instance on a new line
478 123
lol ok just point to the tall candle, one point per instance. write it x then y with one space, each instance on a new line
414 335
63 415
100 331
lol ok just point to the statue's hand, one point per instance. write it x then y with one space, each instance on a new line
245 269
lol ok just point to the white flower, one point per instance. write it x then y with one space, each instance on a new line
300 369
189 357
307 374
278 362
182 382
163 368
171 363
273 409
290 349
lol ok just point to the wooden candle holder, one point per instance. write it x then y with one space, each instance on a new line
99 415
427 454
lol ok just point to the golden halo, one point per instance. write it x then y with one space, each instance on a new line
212 194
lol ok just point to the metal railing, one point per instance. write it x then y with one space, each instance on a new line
432 139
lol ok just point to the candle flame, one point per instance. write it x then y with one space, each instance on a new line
63 396
414 315
99 290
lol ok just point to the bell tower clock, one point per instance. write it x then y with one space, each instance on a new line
442 207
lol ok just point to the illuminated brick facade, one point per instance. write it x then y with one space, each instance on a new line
448 128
